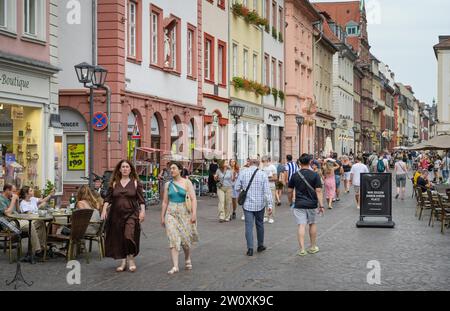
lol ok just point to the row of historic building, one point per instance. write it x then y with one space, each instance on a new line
302 71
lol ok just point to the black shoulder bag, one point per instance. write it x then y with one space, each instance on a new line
243 195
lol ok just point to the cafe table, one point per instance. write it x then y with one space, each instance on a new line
30 218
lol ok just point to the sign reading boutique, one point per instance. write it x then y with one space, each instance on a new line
16 83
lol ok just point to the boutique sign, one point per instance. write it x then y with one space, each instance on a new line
20 84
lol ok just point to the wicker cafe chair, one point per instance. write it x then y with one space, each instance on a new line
79 222
417 196
425 204
445 213
99 237
435 208
11 241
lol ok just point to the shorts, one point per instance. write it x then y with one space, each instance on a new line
305 216
279 185
347 175
338 180
400 180
234 193
357 189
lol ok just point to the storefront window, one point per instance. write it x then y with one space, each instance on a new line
275 143
252 140
58 164
156 140
175 137
191 136
133 130
20 145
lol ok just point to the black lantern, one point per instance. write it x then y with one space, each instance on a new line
84 72
236 110
334 125
92 77
300 119
99 76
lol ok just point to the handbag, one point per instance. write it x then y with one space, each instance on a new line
188 199
243 195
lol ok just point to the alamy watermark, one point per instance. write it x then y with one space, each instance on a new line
373 12
374 275
74 275
73 16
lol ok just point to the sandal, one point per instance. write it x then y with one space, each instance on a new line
132 266
188 265
302 253
313 250
173 270
122 267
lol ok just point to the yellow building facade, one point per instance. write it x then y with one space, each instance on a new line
245 67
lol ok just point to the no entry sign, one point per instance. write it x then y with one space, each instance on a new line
100 121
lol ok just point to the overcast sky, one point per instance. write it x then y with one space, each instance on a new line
402 34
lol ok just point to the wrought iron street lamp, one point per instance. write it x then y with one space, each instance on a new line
334 126
300 120
236 111
92 77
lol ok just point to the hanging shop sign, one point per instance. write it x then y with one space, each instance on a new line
76 157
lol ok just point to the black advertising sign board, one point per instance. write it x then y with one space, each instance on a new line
376 200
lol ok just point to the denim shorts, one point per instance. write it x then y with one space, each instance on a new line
338 180
400 180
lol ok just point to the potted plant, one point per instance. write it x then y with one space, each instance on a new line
49 186
252 17
247 85
281 95
236 8
238 83
274 33
280 37
275 94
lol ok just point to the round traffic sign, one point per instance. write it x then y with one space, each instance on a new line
100 121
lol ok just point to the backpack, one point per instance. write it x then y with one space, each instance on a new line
380 166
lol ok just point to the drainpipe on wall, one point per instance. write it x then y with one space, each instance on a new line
105 87
94 32
108 128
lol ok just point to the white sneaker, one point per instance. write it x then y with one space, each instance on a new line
265 219
271 221
243 217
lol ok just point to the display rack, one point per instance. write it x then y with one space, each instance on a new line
148 172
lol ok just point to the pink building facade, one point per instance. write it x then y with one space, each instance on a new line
30 133
300 16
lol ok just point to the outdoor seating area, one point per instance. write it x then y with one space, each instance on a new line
70 242
435 205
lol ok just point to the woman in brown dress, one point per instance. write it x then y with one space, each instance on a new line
126 199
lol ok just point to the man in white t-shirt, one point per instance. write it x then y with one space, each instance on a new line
271 172
355 177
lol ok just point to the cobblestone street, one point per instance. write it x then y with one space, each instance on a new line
412 256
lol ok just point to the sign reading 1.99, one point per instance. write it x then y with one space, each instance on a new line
76 157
